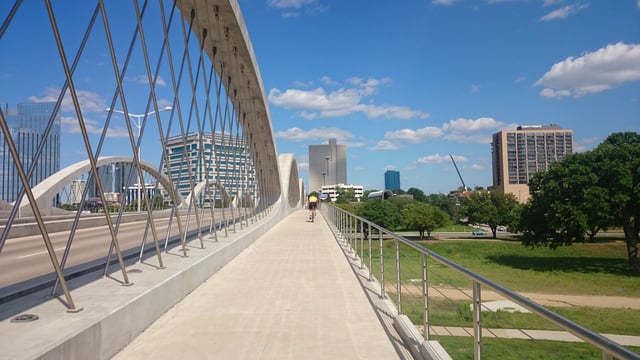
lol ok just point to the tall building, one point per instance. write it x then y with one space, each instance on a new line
392 180
230 165
518 154
327 165
27 125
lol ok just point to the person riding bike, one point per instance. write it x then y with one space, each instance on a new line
313 205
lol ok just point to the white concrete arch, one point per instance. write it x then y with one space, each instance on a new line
201 186
45 191
289 179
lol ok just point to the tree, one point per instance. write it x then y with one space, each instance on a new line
345 195
492 208
444 202
424 217
418 195
587 192
381 212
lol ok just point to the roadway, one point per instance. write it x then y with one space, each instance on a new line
25 258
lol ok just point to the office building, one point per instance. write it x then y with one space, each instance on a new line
230 165
27 126
518 154
332 190
392 180
327 165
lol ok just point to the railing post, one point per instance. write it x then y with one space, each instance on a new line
477 323
370 255
361 233
382 291
425 297
398 284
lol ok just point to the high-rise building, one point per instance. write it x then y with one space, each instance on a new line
27 125
327 165
392 180
518 154
230 165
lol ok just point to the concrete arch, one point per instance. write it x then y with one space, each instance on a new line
201 186
49 187
290 180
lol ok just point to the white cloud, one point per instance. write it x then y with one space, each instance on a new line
89 101
551 2
144 80
324 133
439 159
470 130
385 145
592 72
285 4
442 2
564 12
318 103
413 136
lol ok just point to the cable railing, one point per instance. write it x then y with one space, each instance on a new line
432 291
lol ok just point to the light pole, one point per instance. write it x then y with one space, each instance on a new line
138 124
326 157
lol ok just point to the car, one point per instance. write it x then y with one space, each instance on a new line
478 233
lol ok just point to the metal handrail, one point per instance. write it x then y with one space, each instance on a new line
342 218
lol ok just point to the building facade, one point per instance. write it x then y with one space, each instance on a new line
223 160
332 190
27 125
518 154
392 180
327 165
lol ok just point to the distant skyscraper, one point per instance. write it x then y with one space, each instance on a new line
27 125
327 165
518 154
392 180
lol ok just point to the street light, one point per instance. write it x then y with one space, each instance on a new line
327 157
138 124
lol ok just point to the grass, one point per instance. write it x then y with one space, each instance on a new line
582 269
461 348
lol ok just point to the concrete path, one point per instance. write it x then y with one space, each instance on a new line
291 295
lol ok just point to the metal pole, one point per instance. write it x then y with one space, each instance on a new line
477 323
425 297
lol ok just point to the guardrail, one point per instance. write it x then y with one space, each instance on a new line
359 233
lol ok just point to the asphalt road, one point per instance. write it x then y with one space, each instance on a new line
27 257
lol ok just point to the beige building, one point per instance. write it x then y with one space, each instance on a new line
327 165
518 154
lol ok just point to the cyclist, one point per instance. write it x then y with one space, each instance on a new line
313 204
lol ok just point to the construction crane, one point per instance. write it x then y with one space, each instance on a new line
458 171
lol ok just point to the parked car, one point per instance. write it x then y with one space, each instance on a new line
478 233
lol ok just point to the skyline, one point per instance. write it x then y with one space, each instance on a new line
402 86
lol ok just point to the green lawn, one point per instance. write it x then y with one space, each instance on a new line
584 269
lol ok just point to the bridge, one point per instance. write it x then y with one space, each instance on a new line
103 274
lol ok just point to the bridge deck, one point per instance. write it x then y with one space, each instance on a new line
291 295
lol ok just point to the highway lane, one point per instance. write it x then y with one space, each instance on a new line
26 258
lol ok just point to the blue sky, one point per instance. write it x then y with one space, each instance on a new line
402 83
406 83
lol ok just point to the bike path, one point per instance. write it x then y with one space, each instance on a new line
291 295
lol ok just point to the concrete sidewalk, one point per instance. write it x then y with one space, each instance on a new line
291 295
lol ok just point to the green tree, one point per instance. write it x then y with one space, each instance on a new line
381 212
345 195
492 208
424 217
586 192
418 195
444 202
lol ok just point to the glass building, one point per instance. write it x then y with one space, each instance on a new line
27 125
392 180
223 160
